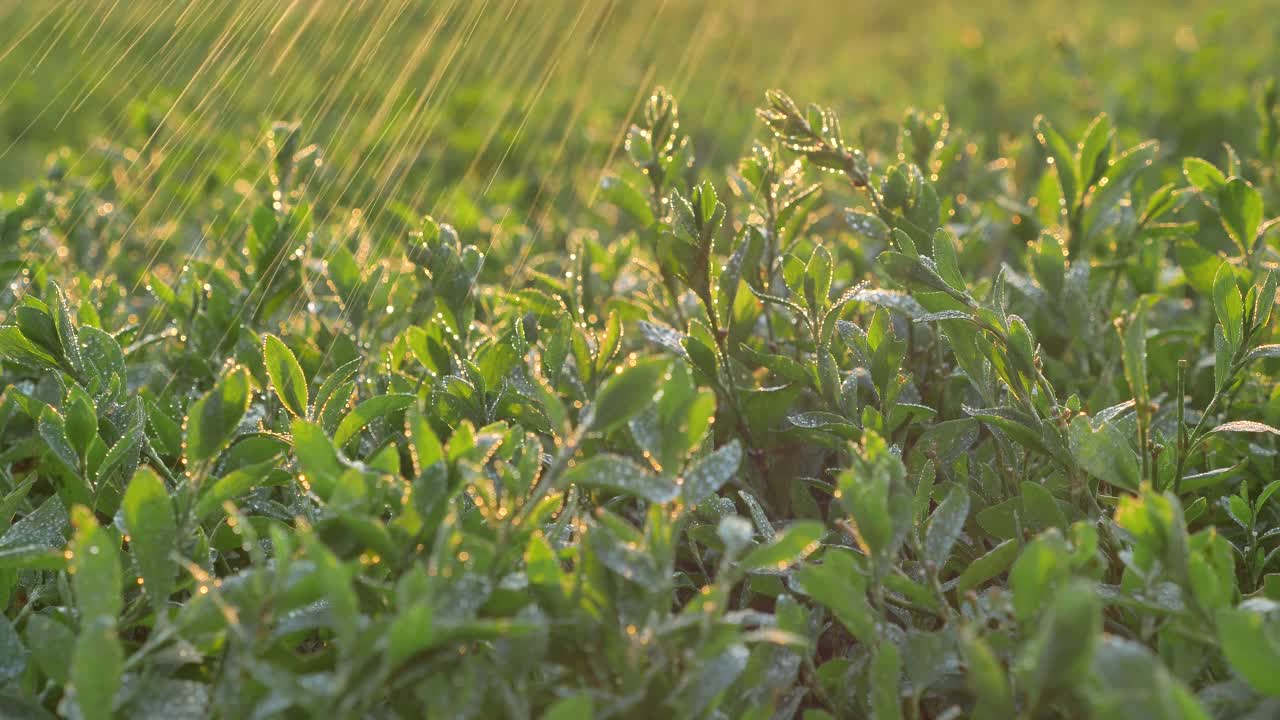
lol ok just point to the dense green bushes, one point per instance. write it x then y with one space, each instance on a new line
899 431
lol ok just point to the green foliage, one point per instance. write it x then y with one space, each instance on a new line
897 423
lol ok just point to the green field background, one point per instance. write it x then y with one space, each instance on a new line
523 103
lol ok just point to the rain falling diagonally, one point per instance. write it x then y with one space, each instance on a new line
511 104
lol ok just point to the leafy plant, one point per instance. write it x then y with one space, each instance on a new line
868 430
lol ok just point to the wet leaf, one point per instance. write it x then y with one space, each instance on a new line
153 531
287 378
1245 426
709 473
620 475
799 540
626 393
1246 634
1103 451
945 525
368 411
1241 206
212 420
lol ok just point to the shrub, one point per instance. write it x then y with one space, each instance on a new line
902 431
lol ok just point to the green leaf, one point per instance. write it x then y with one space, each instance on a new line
212 420
43 527
13 655
628 199
1134 339
986 678
153 532
715 677
122 457
15 347
839 586
609 344
153 697
1266 301
1105 453
1239 511
746 254
411 632
10 502
1040 508
944 254
1050 263
1263 352
1094 150
945 525
101 358
923 477
1157 524
330 388
1246 635
1266 494
886 676
368 411
1222 352
82 420
818 271
1229 305
1198 264
233 485
96 577
867 225
52 646
735 532
1126 675
1120 175
948 439
927 656
575 707
918 273
1060 652
1036 574
335 577
1203 175
1062 160
709 473
68 336
319 459
287 378
426 443
163 431
874 493
1241 206
36 324
620 475
53 430
701 356
1245 426
31 557
1014 423
96 669
626 393
799 540
1199 482
895 188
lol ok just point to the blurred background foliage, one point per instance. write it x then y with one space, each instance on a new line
473 109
